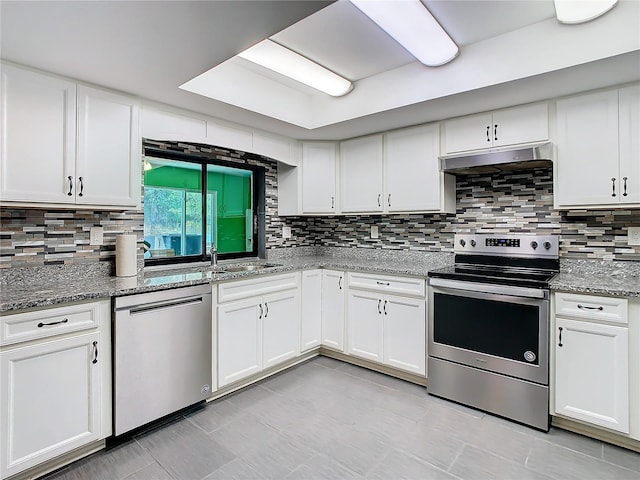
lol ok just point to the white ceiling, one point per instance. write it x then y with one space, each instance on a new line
512 51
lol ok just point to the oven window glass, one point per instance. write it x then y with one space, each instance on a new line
502 329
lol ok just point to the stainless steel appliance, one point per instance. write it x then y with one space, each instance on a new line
162 354
488 344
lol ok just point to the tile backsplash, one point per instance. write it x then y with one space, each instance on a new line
495 203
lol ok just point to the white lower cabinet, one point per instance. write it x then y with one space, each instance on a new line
257 332
384 326
311 310
54 392
592 362
333 309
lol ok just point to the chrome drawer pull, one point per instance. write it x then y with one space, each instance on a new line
587 307
40 325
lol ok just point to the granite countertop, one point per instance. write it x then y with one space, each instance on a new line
46 292
579 277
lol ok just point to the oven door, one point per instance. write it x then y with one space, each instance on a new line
496 328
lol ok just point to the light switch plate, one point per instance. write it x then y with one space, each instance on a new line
286 231
374 232
96 236
633 237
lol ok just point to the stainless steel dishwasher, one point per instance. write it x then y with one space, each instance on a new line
162 354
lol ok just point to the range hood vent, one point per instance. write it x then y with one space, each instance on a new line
499 160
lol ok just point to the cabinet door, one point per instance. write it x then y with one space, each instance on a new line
592 373
468 133
520 125
280 327
109 143
404 338
364 320
50 400
361 175
239 340
412 170
311 310
629 144
318 177
587 161
38 137
333 300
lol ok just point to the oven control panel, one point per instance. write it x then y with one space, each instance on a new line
520 245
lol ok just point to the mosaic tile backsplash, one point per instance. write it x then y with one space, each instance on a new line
496 203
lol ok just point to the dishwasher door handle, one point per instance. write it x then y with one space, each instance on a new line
162 305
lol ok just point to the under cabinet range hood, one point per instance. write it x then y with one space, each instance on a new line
499 160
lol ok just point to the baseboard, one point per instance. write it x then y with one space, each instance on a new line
598 434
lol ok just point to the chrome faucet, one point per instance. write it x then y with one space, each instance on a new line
214 256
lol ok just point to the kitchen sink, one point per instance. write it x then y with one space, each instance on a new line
249 268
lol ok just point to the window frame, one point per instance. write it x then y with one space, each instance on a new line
257 199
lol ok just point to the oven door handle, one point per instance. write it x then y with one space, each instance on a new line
490 288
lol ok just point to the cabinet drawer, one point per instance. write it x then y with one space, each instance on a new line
385 283
253 287
607 309
20 327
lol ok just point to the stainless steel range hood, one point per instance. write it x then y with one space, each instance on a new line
499 160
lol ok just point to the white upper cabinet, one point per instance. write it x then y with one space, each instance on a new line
319 177
413 178
67 144
598 159
512 126
361 186
38 137
109 149
158 124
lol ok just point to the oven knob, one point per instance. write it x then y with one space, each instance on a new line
462 242
547 245
534 245
473 243
529 356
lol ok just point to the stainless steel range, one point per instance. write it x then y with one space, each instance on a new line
488 344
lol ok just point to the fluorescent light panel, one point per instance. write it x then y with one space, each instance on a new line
580 11
274 56
412 26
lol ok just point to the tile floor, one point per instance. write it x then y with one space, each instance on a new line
331 420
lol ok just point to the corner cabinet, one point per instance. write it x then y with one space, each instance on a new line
55 387
592 360
511 126
311 310
67 145
598 149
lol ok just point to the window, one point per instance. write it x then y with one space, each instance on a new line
191 203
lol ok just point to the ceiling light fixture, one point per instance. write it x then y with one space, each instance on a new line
412 26
274 56
580 11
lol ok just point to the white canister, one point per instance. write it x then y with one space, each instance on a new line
126 256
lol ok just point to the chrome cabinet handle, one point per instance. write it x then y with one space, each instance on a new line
261 312
386 284
340 283
587 307
379 196
81 186
384 307
560 336
613 186
495 132
266 306
40 325
624 186
389 200
70 178
379 302
95 353
488 130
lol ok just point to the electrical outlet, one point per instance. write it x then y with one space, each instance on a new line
286 232
96 236
374 232
633 237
